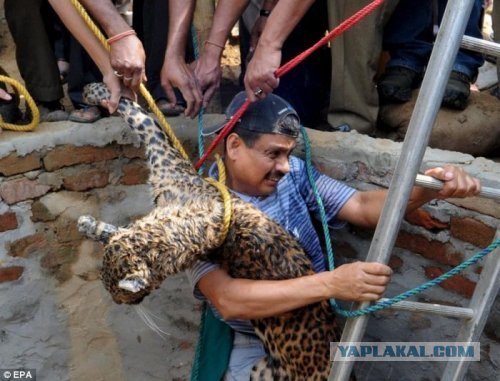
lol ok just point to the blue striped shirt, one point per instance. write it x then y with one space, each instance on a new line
291 205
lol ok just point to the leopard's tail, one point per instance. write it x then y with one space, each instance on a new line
96 230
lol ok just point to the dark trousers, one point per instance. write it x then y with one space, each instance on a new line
30 23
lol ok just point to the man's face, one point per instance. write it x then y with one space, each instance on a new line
256 170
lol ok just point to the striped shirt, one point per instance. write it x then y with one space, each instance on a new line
291 205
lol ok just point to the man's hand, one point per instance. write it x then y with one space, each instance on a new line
128 59
176 73
116 89
457 183
259 78
208 72
358 281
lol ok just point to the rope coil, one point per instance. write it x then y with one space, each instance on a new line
35 113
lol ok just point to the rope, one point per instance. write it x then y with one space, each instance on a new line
331 263
144 92
226 197
341 28
168 130
35 113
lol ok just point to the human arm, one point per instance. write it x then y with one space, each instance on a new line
267 55
126 54
99 55
238 298
207 68
260 23
364 208
175 72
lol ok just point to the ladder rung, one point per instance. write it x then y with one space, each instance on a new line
437 309
480 46
431 182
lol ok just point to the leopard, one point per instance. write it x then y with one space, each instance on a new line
185 226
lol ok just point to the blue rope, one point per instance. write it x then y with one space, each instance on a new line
201 143
195 371
331 264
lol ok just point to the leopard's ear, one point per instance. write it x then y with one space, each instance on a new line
133 283
95 230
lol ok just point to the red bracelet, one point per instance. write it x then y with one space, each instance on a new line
121 35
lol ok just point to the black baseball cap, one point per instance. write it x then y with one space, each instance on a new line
271 115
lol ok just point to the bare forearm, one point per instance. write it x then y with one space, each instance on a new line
180 16
82 33
284 17
226 15
249 299
106 15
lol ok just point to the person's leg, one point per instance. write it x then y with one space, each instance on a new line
496 35
34 51
355 57
247 351
82 71
408 37
154 33
467 63
306 87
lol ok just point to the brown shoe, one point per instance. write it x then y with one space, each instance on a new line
87 114
167 109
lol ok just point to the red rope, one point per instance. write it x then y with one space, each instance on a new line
341 28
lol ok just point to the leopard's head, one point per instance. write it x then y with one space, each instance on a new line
125 271
126 267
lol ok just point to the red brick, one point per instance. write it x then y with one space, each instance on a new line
86 179
132 152
471 230
441 252
458 284
22 189
11 273
68 155
135 173
395 262
8 221
27 246
14 164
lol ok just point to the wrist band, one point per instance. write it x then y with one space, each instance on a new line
264 13
214 44
121 35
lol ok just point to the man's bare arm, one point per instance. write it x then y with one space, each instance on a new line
127 54
175 72
267 56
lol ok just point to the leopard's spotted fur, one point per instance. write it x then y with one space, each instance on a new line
185 227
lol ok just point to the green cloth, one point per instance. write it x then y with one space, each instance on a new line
215 343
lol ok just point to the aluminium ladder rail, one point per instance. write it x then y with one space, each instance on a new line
422 120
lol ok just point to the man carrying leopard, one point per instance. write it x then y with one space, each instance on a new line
261 170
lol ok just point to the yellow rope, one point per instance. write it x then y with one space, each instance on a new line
144 92
226 197
35 114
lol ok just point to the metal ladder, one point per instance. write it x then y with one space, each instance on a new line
422 120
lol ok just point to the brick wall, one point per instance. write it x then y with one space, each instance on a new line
49 284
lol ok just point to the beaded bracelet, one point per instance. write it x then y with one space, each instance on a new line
121 35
